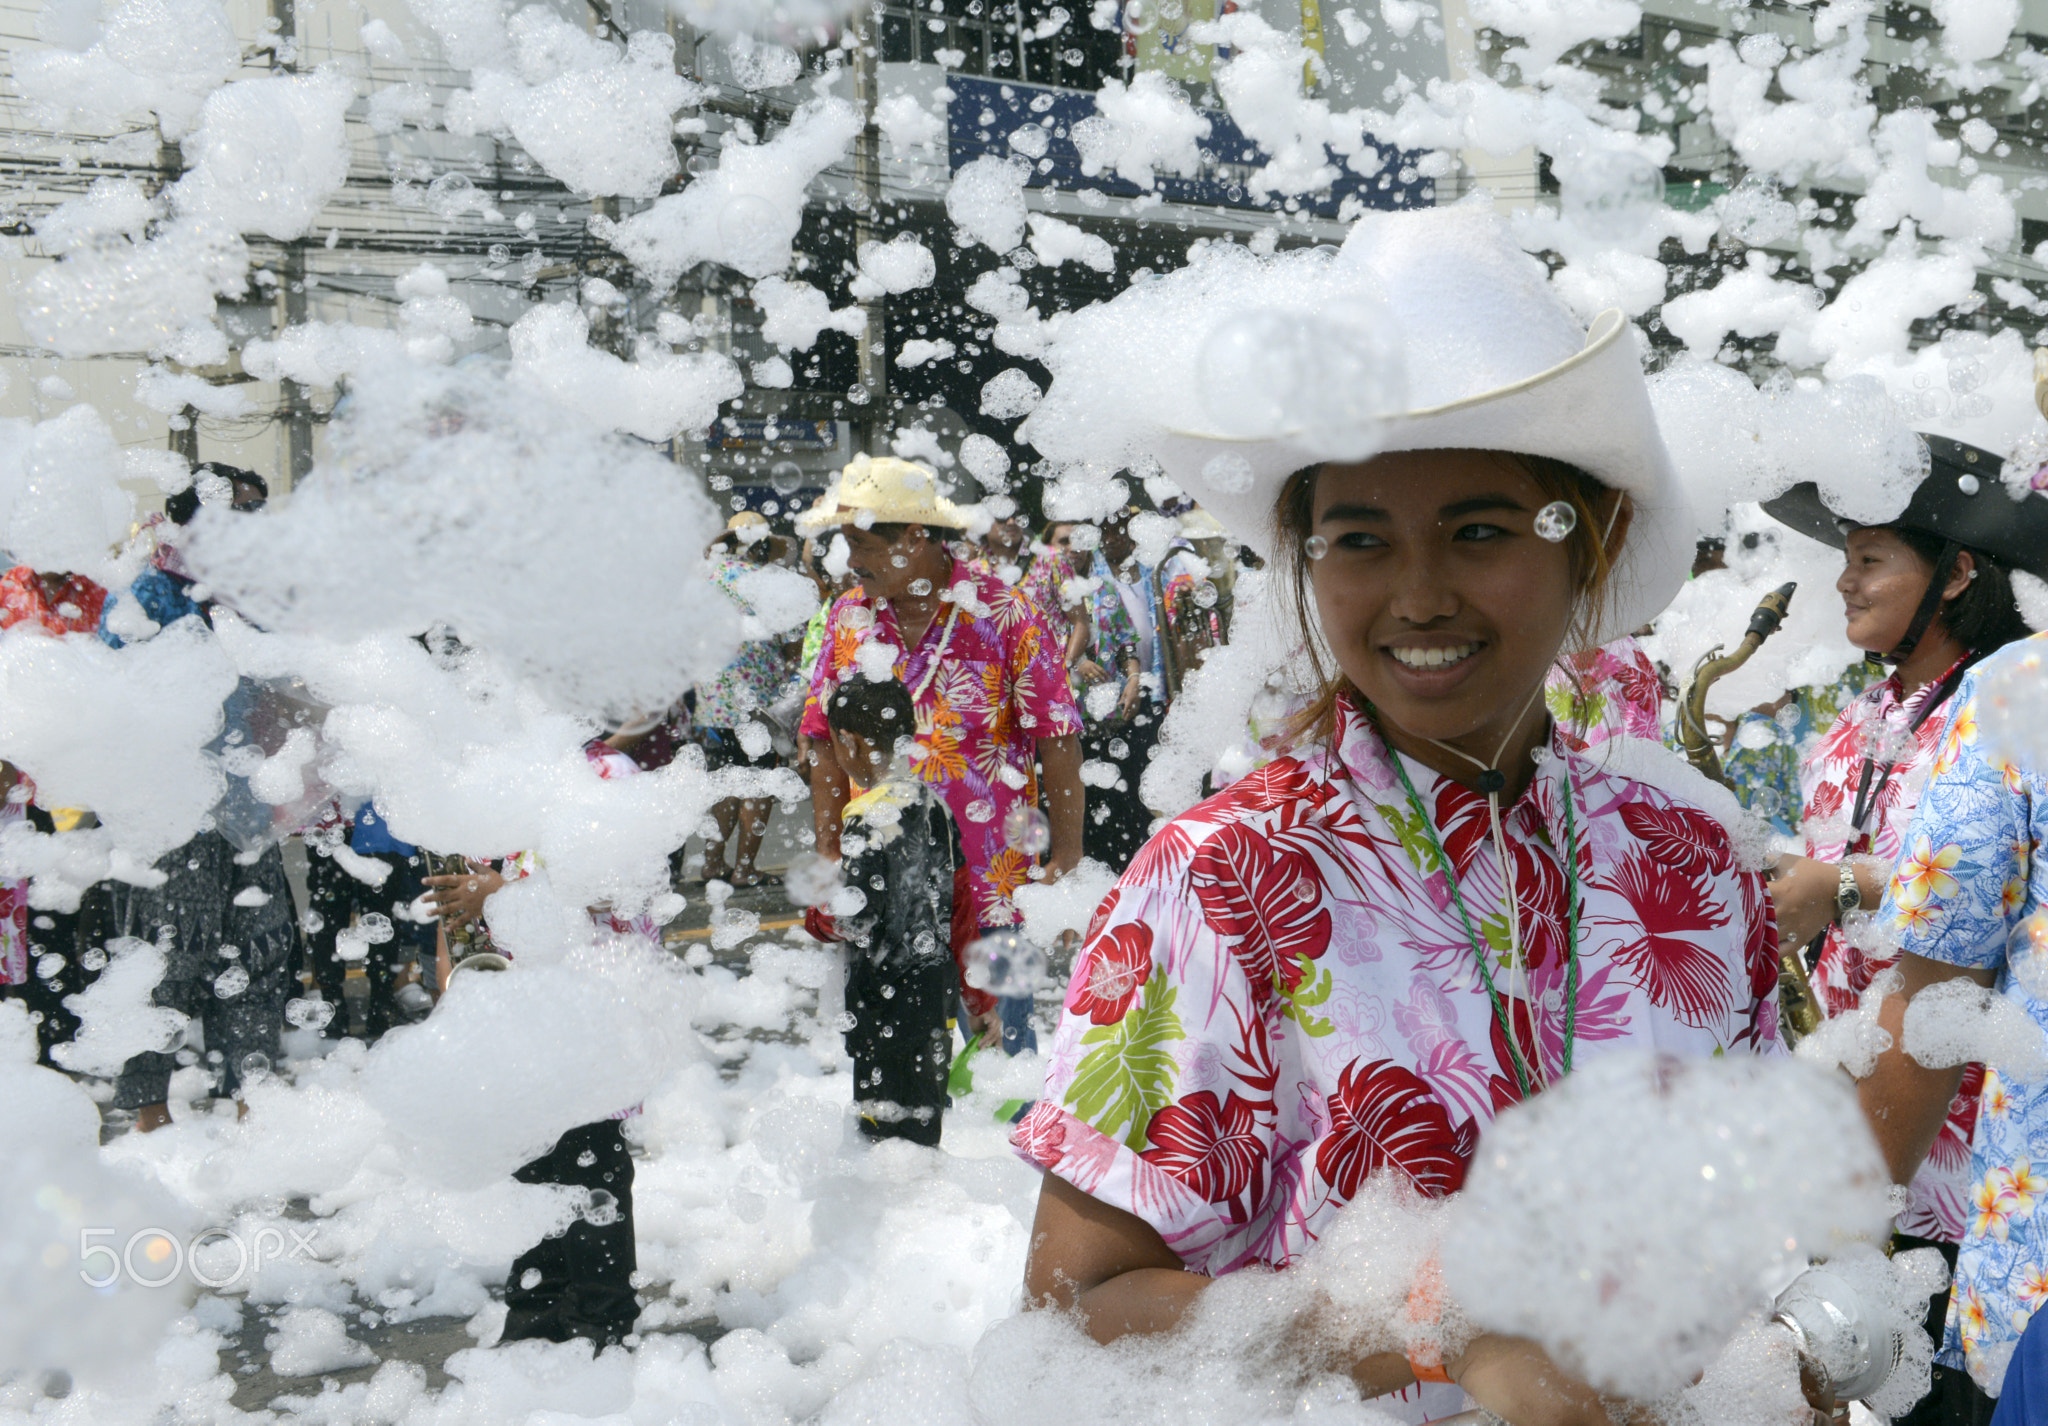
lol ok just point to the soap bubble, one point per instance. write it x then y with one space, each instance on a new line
1555 521
1026 829
231 982
309 1014
93 960
1327 380
1611 193
1315 547
1006 965
786 477
1754 214
603 1209
919 588
375 927
253 1066
49 966
980 810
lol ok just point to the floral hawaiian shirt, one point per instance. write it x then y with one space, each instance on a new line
758 672
1877 724
1046 583
1280 997
1763 762
988 685
1115 635
1608 692
1971 889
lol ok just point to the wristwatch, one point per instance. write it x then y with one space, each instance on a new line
1848 895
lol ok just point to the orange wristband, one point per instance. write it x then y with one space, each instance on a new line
1425 1309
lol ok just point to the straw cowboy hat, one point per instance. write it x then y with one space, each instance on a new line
747 528
1465 321
890 491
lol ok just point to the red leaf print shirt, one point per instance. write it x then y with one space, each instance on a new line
1279 999
1879 722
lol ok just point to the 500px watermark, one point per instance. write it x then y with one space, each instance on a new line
216 1257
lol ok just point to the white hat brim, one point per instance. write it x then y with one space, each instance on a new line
1591 410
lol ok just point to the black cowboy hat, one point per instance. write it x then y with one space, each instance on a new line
1961 500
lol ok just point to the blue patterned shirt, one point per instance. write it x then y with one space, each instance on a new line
1971 889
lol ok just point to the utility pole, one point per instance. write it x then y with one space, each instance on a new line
291 287
867 204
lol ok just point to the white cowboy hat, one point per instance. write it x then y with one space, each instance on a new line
1429 330
890 490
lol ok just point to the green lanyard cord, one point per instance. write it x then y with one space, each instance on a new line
1479 953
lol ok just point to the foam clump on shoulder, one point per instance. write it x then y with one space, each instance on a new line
1854 1039
1959 1022
1714 1176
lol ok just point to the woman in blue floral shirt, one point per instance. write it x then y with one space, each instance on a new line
1969 898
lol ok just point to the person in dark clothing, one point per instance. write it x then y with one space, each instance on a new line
56 966
335 896
900 851
224 912
580 1282
232 963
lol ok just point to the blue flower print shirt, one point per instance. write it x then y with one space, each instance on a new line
1971 889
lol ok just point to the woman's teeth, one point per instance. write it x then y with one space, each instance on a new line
1434 658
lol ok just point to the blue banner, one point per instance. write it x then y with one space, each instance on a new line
984 112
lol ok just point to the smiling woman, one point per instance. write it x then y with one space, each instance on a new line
1931 594
1396 533
1345 965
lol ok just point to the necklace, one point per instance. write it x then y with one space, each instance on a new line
1479 950
931 670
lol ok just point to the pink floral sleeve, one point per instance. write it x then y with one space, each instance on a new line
1160 1096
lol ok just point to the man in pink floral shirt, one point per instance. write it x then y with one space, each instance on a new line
984 672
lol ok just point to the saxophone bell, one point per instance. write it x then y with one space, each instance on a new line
1798 1008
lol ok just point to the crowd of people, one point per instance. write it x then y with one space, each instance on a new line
1424 894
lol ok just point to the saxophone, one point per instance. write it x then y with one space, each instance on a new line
1799 1009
